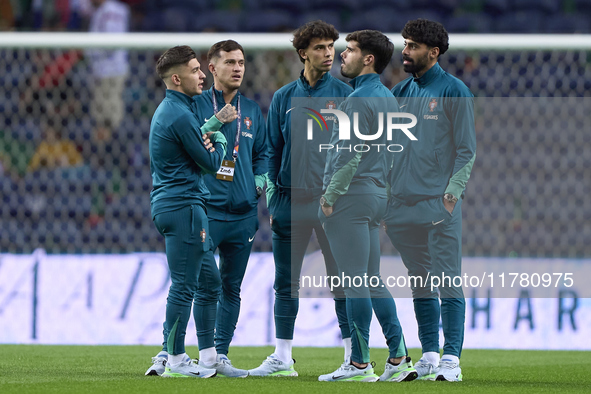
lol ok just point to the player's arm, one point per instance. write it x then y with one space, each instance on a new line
464 136
346 162
275 142
260 154
187 131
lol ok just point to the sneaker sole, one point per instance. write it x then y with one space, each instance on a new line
152 373
219 375
360 378
180 375
430 377
404 377
279 374
441 378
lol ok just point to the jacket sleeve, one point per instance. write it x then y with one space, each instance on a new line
464 137
260 154
275 145
346 161
189 133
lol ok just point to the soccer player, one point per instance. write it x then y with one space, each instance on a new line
179 158
314 43
232 208
353 204
428 178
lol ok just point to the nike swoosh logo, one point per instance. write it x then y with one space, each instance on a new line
206 119
194 373
403 105
436 223
251 239
337 377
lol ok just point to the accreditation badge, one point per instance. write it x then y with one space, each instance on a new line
226 171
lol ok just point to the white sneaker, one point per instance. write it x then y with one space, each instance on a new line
272 366
350 373
225 369
188 369
449 370
403 372
158 365
425 370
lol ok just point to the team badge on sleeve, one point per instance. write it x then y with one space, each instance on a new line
248 122
203 235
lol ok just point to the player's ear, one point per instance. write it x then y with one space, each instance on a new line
368 60
303 54
434 53
176 79
211 68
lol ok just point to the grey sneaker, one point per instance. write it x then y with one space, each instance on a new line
158 365
272 366
225 369
188 369
449 370
350 373
426 370
403 372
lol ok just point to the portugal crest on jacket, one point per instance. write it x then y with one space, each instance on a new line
432 105
248 122
330 104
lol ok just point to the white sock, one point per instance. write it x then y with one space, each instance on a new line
208 356
455 359
283 350
347 346
431 357
176 359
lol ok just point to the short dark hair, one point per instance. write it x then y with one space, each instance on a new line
315 29
226 46
431 33
174 57
375 43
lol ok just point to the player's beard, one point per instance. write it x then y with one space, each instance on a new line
417 65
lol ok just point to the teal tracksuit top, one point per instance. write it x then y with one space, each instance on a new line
178 158
307 177
441 160
348 171
237 199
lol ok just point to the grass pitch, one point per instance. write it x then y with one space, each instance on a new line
120 369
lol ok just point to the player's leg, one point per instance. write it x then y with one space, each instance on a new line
398 366
408 230
347 230
234 254
183 231
339 293
290 241
445 244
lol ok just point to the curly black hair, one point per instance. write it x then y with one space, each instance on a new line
431 33
315 29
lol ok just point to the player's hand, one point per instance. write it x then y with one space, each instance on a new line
449 205
227 114
327 211
207 142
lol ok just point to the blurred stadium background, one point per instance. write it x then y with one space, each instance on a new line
527 197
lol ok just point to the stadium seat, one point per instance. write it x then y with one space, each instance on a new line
469 23
547 6
496 7
332 17
520 22
269 21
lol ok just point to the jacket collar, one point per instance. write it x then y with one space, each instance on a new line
360 80
429 76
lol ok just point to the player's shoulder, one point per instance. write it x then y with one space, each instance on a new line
401 86
340 86
286 90
455 86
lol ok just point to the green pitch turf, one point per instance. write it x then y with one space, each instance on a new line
120 369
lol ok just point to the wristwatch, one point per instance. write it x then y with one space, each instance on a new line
323 202
259 191
450 198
